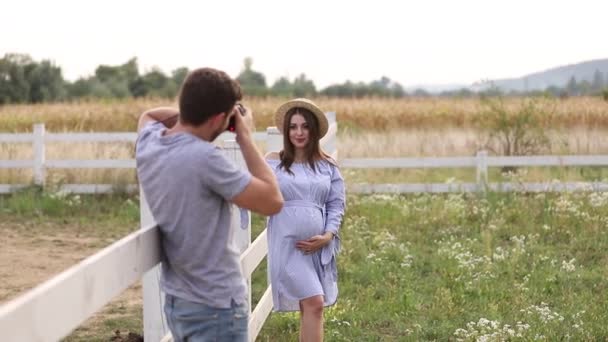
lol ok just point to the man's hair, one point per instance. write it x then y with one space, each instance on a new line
206 92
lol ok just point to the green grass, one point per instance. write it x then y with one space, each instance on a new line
420 267
119 320
423 267
35 203
468 175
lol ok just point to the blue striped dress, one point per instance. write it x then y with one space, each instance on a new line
314 204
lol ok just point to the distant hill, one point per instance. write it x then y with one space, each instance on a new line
558 77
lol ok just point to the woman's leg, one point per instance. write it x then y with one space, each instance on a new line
301 321
311 329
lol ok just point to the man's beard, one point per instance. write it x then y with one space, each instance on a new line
216 134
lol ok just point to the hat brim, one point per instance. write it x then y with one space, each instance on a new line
279 117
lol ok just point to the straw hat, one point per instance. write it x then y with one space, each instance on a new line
279 117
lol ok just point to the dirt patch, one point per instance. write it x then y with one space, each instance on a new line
130 337
27 259
33 252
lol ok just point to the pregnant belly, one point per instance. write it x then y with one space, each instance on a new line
303 222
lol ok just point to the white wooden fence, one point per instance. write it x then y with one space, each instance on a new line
39 164
481 162
53 309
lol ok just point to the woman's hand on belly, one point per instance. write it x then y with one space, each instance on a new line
314 243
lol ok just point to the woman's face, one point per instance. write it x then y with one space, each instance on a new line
298 131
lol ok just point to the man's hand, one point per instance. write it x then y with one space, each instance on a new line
314 243
243 123
168 116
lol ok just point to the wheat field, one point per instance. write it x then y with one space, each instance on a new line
354 114
367 128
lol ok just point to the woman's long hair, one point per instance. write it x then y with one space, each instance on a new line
313 151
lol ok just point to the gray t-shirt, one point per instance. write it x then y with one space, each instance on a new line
188 182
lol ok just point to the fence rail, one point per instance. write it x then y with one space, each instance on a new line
39 164
457 162
481 162
52 310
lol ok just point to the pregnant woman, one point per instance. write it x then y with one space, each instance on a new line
303 238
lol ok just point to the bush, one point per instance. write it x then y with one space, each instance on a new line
513 132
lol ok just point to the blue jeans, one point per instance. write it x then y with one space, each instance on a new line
196 322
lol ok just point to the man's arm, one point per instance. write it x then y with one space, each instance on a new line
167 115
262 194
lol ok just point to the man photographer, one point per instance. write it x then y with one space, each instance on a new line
189 184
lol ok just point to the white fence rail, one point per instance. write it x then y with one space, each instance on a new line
53 309
481 162
39 164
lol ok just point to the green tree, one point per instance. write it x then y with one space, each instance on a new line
584 87
554 91
25 80
14 87
158 84
282 87
419 92
45 82
137 87
489 89
252 82
572 86
117 81
598 81
397 90
178 75
384 87
380 87
303 87
80 88
460 93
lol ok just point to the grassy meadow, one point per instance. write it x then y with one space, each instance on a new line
456 267
419 267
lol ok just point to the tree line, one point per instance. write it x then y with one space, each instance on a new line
24 80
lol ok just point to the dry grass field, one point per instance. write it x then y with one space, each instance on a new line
367 114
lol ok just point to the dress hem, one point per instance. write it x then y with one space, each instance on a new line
324 305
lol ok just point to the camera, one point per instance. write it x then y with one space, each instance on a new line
232 123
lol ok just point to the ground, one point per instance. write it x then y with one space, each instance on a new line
32 252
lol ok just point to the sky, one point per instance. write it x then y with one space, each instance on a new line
412 42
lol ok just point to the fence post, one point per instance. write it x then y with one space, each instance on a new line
240 223
274 140
482 170
332 144
39 154
155 324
